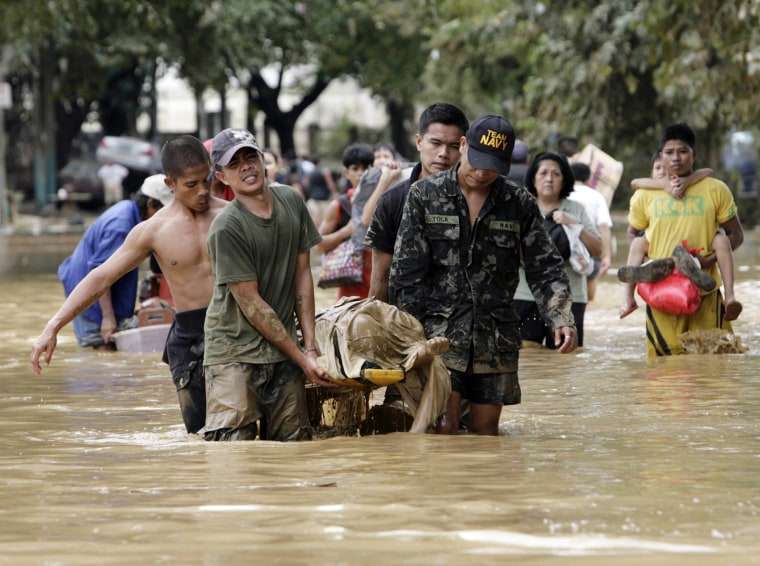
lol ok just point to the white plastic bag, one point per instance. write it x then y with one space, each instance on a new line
580 258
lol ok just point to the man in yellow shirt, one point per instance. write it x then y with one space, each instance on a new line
694 218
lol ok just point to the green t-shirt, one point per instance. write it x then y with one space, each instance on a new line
246 247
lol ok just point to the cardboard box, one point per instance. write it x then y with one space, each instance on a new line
606 171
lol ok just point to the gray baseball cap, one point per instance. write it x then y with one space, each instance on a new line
227 143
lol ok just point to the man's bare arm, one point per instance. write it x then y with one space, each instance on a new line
263 318
388 177
304 307
381 270
604 231
665 184
332 236
734 231
109 323
129 256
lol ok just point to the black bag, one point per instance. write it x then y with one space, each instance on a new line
558 235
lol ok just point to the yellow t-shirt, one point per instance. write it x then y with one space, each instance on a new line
695 218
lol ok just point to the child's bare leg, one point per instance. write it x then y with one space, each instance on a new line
637 251
725 258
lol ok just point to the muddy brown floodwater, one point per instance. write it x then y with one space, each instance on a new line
611 458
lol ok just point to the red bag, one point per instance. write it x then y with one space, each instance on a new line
676 294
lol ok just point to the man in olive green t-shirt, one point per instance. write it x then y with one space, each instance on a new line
259 247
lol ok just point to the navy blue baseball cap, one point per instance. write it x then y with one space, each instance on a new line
490 141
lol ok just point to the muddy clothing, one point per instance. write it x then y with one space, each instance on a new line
246 247
184 354
664 329
460 281
239 395
247 377
353 332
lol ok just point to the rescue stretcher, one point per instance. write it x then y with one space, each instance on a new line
366 344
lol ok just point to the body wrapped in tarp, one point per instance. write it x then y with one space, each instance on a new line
355 332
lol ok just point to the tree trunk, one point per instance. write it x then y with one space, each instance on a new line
266 99
153 104
201 130
120 102
398 113
69 118
223 118
285 130
44 122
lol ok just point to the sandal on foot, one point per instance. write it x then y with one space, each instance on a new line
686 265
625 312
652 271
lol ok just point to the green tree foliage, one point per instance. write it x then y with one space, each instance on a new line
384 49
612 72
92 54
257 42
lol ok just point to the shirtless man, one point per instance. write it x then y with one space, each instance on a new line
176 235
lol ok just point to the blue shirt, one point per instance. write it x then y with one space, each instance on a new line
99 242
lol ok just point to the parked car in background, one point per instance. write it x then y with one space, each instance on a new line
80 177
133 153
141 157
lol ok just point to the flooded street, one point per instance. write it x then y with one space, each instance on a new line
610 458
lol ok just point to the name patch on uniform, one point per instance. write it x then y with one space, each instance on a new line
441 219
507 225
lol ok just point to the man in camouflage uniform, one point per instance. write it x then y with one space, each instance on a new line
455 268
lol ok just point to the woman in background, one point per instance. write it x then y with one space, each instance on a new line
550 179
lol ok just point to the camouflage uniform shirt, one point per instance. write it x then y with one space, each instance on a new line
460 281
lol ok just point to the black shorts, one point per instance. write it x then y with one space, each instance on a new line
184 354
487 388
